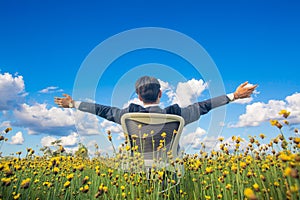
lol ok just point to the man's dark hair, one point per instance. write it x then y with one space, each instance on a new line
148 88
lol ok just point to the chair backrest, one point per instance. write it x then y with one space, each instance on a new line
153 133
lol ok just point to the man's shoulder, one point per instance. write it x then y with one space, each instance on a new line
173 109
134 107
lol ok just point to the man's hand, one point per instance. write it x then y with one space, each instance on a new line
244 91
66 102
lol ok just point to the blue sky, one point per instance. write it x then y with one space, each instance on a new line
43 45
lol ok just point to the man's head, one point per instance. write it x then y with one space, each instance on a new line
148 89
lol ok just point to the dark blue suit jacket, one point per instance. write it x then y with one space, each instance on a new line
190 113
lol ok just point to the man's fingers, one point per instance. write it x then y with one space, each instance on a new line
67 96
244 84
253 87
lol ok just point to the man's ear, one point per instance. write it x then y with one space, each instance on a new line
159 94
140 98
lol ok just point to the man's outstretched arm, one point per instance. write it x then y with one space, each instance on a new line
110 113
194 111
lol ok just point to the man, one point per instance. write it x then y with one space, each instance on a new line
148 91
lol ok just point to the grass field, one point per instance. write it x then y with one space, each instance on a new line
269 171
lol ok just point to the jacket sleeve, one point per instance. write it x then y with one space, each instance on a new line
193 112
107 112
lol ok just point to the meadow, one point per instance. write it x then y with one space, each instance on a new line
265 169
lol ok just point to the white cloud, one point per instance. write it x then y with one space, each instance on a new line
39 119
17 139
193 139
243 101
66 141
135 101
164 85
71 149
259 112
86 123
46 141
5 124
70 140
210 143
111 126
51 89
187 92
12 90
91 143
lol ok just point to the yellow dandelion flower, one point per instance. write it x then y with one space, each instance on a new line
25 183
243 165
219 196
238 139
164 135
275 122
208 170
55 170
67 184
85 179
276 184
105 189
70 177
207 197
294 189
287 171
284 157
127 147
234 168
175 131
284 113
7 130
6 181
84 189
297 140
122 187
135 148
17 196
160 173
228 186
262 136
250 194
262 177
47 184
256 187
134 136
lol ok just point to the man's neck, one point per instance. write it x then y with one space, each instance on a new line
151 104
